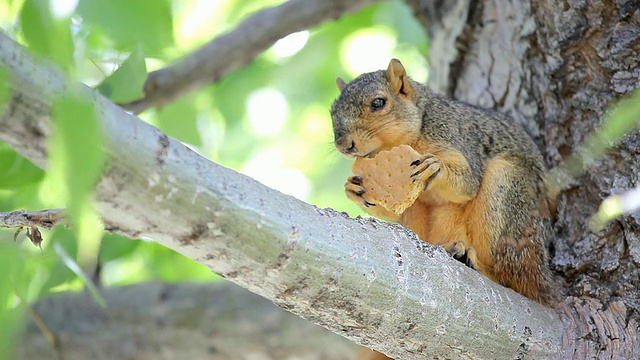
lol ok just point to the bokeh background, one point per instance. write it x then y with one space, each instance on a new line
269 120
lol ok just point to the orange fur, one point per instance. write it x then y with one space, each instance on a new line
368 354
499 220
458 220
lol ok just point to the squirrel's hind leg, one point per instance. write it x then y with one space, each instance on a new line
509 228
467 255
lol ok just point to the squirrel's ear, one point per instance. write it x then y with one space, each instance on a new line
341 84
398 79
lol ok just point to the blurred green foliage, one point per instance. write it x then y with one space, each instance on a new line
126 83
45 34
269 120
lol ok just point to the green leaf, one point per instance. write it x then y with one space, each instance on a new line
46 35
16 170
170 266
12 263
178 120
115 247
76 153
127 82
132 22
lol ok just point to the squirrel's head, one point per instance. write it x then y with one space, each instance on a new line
376 111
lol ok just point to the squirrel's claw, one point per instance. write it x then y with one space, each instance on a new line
354 190
427 168
355 179
462 253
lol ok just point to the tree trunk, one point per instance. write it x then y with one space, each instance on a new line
556 66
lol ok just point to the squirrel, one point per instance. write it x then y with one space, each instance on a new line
485 199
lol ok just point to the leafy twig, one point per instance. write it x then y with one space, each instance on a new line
614 206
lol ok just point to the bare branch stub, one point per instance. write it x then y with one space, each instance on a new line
21 219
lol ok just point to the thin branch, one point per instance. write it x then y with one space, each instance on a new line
238 48
53 341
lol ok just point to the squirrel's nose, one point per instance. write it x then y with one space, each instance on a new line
351 148
344 143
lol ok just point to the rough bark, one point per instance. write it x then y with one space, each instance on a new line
176 321
555 66
374 283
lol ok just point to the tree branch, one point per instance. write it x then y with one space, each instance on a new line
237 48
374 283
193 321
44 218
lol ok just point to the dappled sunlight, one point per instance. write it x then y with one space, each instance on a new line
198 20
268 111
62 8
368 50
291 44
268 167
315 125
268 119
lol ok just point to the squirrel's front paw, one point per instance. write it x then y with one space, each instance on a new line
355 192
427 168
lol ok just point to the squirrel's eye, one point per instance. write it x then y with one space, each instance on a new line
377 104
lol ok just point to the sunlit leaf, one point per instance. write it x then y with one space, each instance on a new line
76 163
127 82
624 117
46 35
132 22
171 266
76 152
